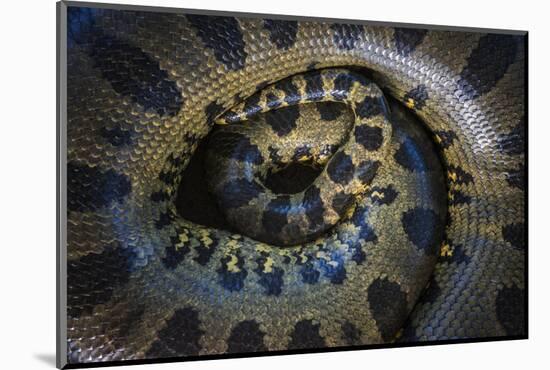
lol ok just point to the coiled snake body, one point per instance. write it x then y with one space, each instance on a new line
399 247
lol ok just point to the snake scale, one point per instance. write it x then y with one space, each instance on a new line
411 228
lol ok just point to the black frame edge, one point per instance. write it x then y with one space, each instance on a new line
61 145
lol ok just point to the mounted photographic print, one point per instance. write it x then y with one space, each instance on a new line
237 184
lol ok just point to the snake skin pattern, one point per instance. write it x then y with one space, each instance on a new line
412 230
308 214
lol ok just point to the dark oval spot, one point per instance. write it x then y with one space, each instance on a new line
360 219
417 97
342 86
388 305
454 254
407 39
457 197
246 337
515 235
330 111
274 217
292 95
309 274
313 204
383 195
315 90
340 169
370 107
510 306
232 278
488 63
369 137
180 337
205 252
346 36
92 279
513 143
281 33
367 170
459 176
130 71
91 188
271 281
223 35
516 177
446 138
283 120
350 333
306 335
424 229
335 272
176 251
80 21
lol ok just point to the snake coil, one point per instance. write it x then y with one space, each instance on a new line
394 240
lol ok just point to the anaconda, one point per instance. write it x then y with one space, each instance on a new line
412 241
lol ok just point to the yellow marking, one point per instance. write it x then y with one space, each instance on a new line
232 245
261 247
446 250
409 103
268 265
183 238
206 240
349 212
303 258
286 253
303 158
453 176
438 139
322 160
232 265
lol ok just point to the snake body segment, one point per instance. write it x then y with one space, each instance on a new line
426 245
307 214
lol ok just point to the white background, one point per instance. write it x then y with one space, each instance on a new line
27 181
